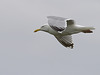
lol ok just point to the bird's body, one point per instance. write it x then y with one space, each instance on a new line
68 31
63 28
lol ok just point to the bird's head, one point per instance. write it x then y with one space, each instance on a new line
43 28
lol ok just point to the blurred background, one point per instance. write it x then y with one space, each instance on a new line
23 52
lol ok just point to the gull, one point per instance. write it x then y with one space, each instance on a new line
63 29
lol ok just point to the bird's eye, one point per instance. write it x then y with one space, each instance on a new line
42 26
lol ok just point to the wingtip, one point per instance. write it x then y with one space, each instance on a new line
71 46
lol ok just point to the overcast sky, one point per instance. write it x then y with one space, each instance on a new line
23 52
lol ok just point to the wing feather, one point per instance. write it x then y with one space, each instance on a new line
57 23
65 40
70 22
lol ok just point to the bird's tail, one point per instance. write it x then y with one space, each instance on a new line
87 29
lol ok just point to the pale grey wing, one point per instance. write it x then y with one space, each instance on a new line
57 23
65 40
70 22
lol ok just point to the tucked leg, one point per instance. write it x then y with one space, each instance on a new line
87 31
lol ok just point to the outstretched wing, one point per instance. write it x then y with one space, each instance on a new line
57 23
70 22
65 40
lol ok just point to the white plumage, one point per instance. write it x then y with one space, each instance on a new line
63 28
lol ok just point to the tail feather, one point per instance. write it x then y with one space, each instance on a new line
87 29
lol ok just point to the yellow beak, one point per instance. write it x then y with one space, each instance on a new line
37 30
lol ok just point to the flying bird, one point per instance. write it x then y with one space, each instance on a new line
63 29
